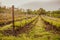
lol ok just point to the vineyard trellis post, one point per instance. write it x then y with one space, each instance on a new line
13 20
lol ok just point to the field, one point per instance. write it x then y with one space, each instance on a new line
29 26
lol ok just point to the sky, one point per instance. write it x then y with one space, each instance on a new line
32 4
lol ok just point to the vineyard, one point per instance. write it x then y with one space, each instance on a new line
30 25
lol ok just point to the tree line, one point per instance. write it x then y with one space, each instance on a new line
40 11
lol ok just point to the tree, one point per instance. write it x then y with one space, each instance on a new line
29 11
35 12
41 11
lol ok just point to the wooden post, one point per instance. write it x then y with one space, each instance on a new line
13 20
0 4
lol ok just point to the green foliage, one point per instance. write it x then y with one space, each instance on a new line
52 21
18 24
55 13
38 31
1 10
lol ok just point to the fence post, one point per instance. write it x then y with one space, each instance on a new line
13 20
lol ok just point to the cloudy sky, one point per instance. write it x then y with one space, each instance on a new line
32 4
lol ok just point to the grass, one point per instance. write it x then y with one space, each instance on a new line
38 32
